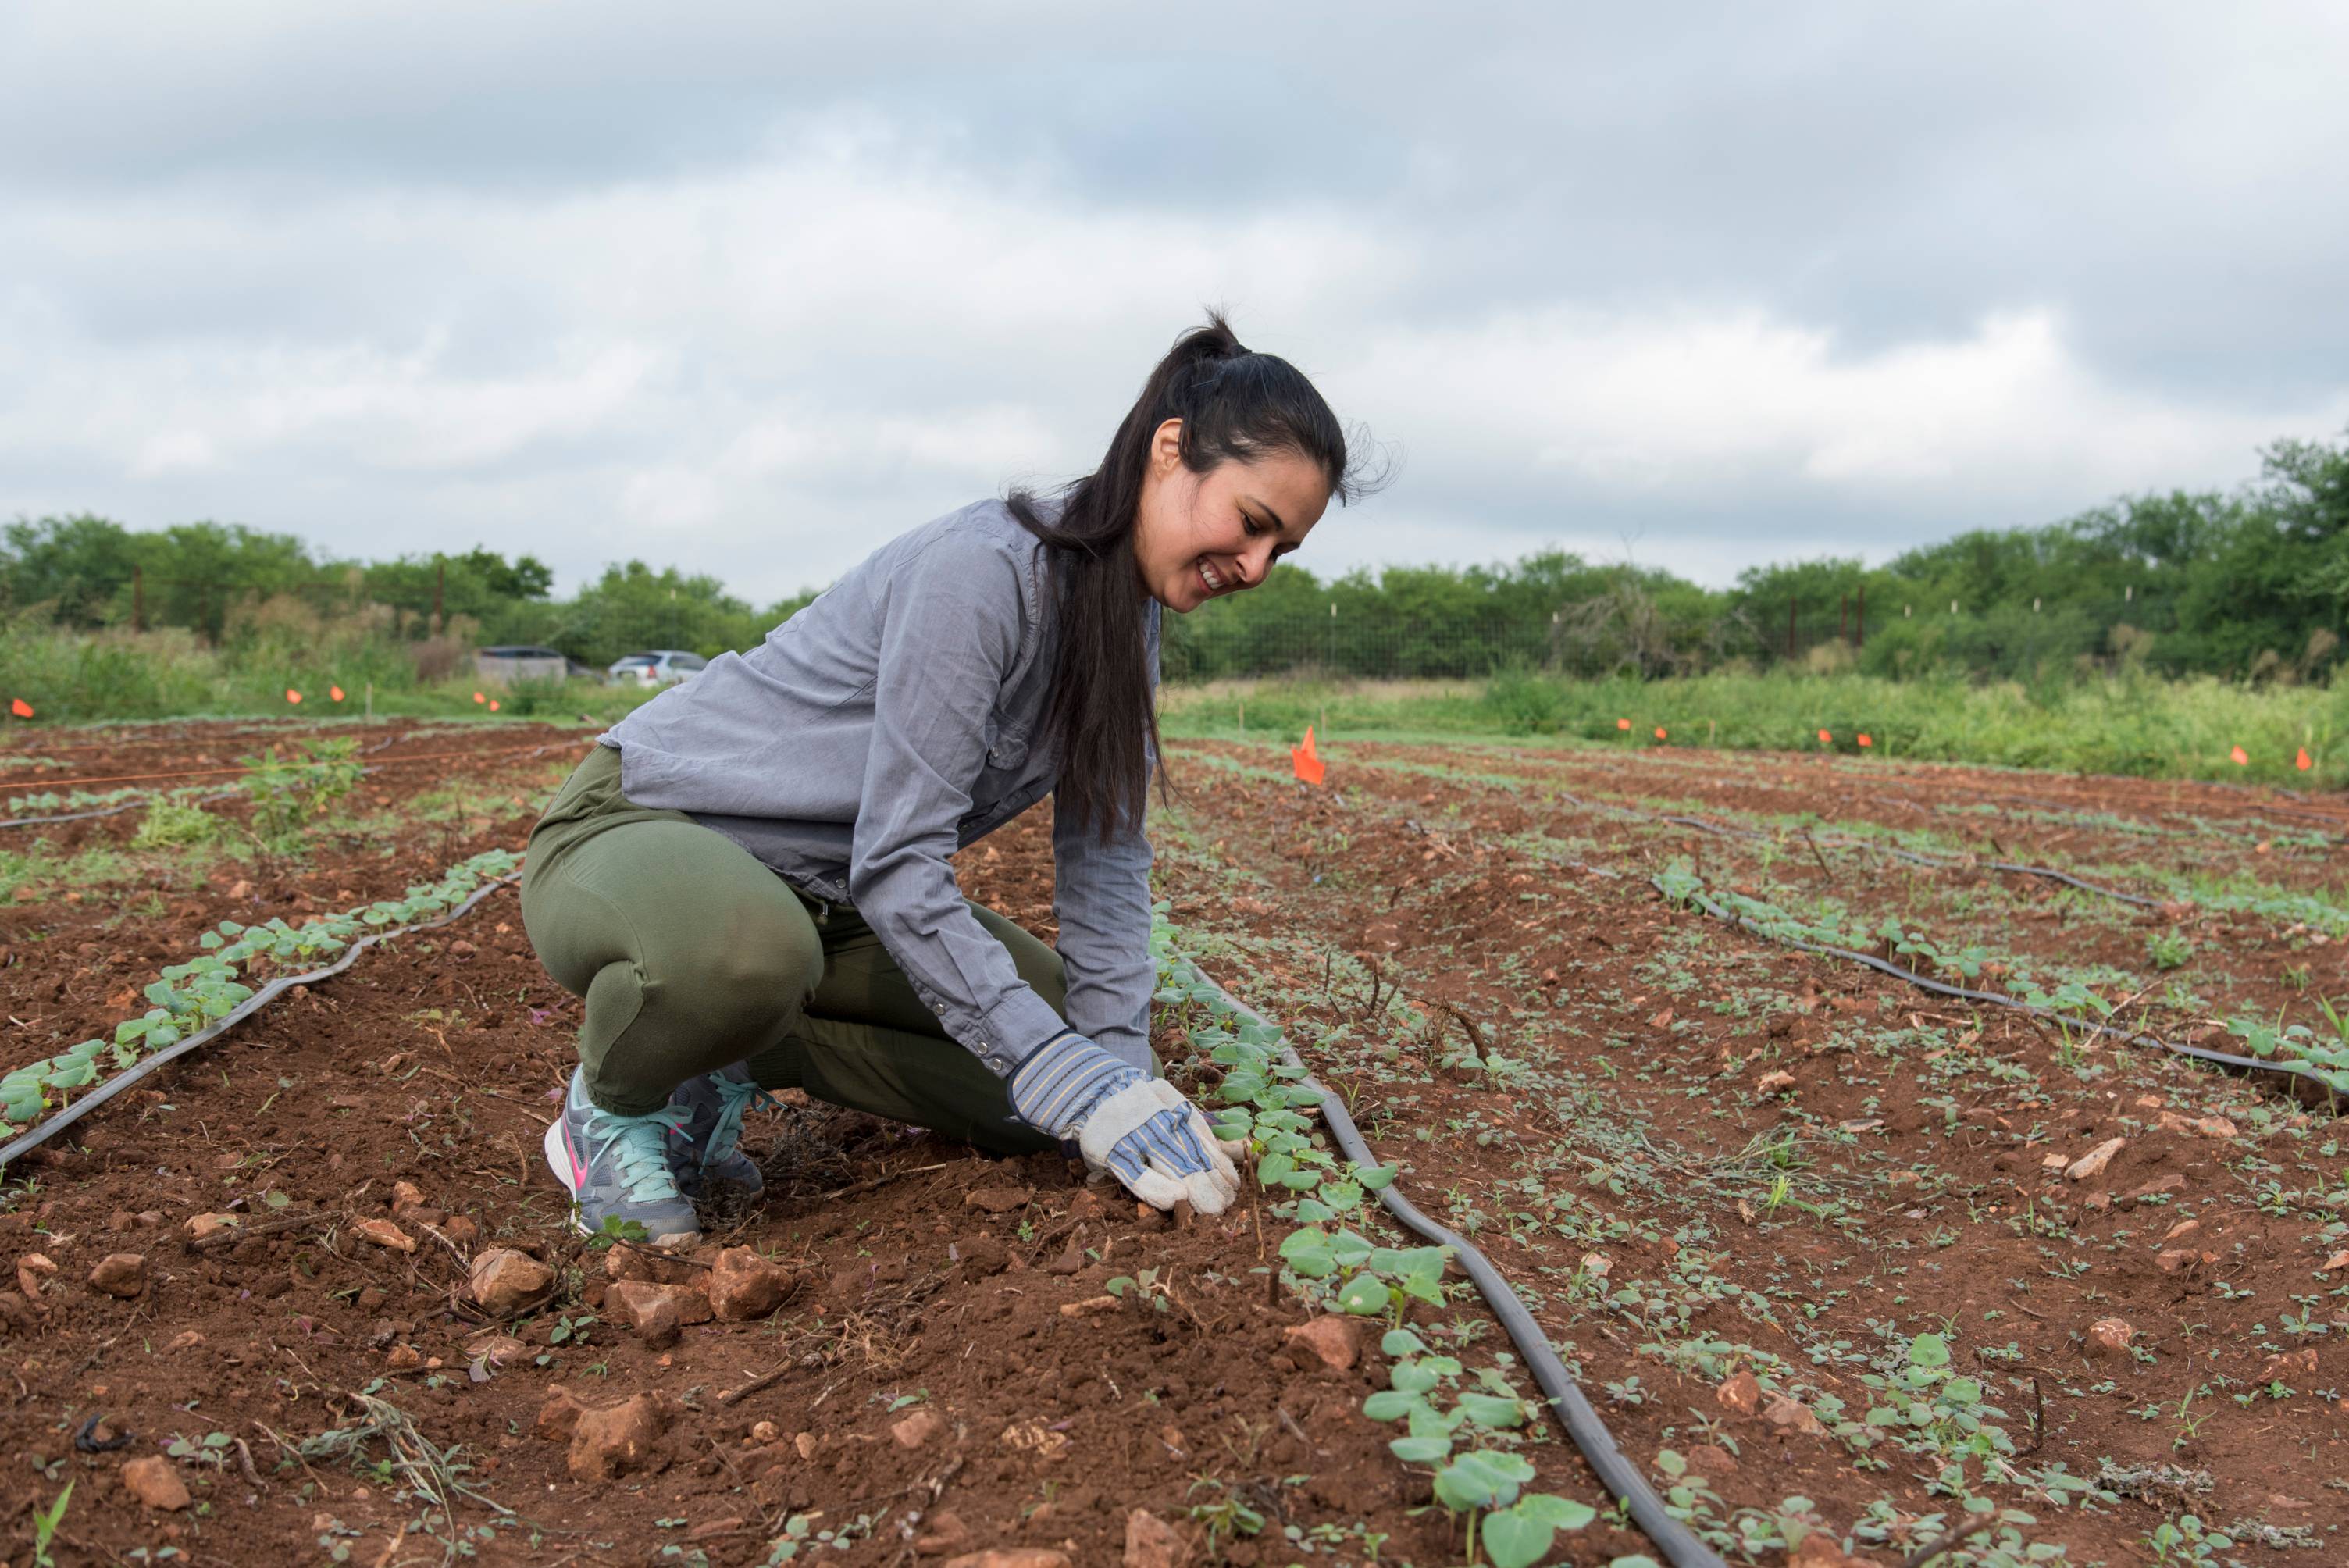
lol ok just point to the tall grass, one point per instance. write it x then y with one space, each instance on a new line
2138 724
281 645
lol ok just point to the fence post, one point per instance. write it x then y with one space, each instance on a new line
1843 618
1790 629
1859 619
439 582
138 598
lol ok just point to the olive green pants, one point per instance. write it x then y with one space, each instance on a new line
691 955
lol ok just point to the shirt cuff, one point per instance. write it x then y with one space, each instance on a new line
1013 1028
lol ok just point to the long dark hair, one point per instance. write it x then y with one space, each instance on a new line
1234 404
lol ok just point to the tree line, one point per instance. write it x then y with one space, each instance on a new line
2250 583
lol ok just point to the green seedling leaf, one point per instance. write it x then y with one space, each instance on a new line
1402 1341
1420 1450
1364 1296
1310 1254
1391 1405
1496 1414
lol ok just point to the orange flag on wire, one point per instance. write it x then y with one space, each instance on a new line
1659 732
1864 740
1826 738
2239 757
1306 762
2304 764
1622 724
335 692
493 705
478 697
20 707
292 697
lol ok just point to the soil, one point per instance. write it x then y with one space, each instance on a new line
413 1089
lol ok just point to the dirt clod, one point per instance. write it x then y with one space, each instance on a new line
744 1286
503 1281
2094 1162
613 1440
2110 1336
155 1484
1151 1542
1328 1341
205 1227
1790 1415
121 1274
917 1428
559 1417
999 1199
945 1532
384 1233
1741 1392
1011 1557
649 1311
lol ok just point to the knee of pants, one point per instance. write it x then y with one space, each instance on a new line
744 994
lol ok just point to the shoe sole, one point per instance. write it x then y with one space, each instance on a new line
558 1160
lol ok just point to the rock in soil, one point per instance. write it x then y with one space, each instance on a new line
122 1274
743 1286
1818 1549
1011 1557
496 1349
559 1417
999 1199
945 1532
612 1441
1327 1341
205 1227
384 1233
656 1312
155 1484
2110 1336
1151 1542
1790 1415
2094 1162
504 1281
1742 1393
917 1428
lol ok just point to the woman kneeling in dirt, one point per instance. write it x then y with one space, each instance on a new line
748 882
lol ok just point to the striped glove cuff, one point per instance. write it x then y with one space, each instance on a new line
1060 1082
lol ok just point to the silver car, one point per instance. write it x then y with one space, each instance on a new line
659 666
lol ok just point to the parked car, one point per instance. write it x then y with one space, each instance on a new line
660 667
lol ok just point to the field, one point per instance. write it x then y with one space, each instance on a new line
1853 1269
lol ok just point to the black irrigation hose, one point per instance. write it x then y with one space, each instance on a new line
40 1132
1620 1475
2291 1077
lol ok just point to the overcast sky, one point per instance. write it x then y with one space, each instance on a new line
750 287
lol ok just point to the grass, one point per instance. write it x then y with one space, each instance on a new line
2138 724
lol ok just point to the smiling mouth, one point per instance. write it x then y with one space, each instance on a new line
1215 580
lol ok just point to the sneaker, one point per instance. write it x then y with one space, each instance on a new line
617 1168
708 1144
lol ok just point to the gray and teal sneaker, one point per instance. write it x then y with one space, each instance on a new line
617 1169
708 1144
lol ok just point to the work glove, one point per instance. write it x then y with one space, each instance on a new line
1138 1129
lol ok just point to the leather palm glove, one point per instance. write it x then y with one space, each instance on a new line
1140 1130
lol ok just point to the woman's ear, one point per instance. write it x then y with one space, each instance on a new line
1166 448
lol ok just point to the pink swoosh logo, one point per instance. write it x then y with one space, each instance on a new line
578 1168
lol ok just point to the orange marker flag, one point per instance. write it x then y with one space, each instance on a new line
478 697
1622 724
1305 760
1659 732
335 692
2304 764
1826 738
493 705
1864 740
2239 757
20 707
292 697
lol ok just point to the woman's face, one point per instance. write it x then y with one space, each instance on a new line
1198 536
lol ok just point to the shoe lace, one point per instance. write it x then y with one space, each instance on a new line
735 1099
635 1146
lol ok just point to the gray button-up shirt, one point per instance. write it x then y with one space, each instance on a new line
890 723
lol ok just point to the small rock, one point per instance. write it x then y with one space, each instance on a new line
1151 1542
149 1219
405 1195
2177 1258
496 1349
650 1313
917 1428
2339 1260
982 1255
31 1270
2183 1228
186 1339
121 1220
1741 1393
122 1274
559 1417
403 1359
806 1444
1091 1307
610 1442
944 1532
384 1233
2094 1162
1713 1461
1818 1549
155 1484
2196 1125
1779 1082
503 1281
999 1199
1088 1204
764 1432
2285 1368
463 1231
644 1263
743 1286
1790 1415
1327 1341
2110 1336
2052 1163
1011 1557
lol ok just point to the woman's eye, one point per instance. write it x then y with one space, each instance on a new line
1250 524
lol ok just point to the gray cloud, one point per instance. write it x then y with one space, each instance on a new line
749 290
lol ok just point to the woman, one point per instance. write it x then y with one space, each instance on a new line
748 882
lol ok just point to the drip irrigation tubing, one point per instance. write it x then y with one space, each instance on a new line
241 767
1582 1423
40 1132
139 805
2283 1072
